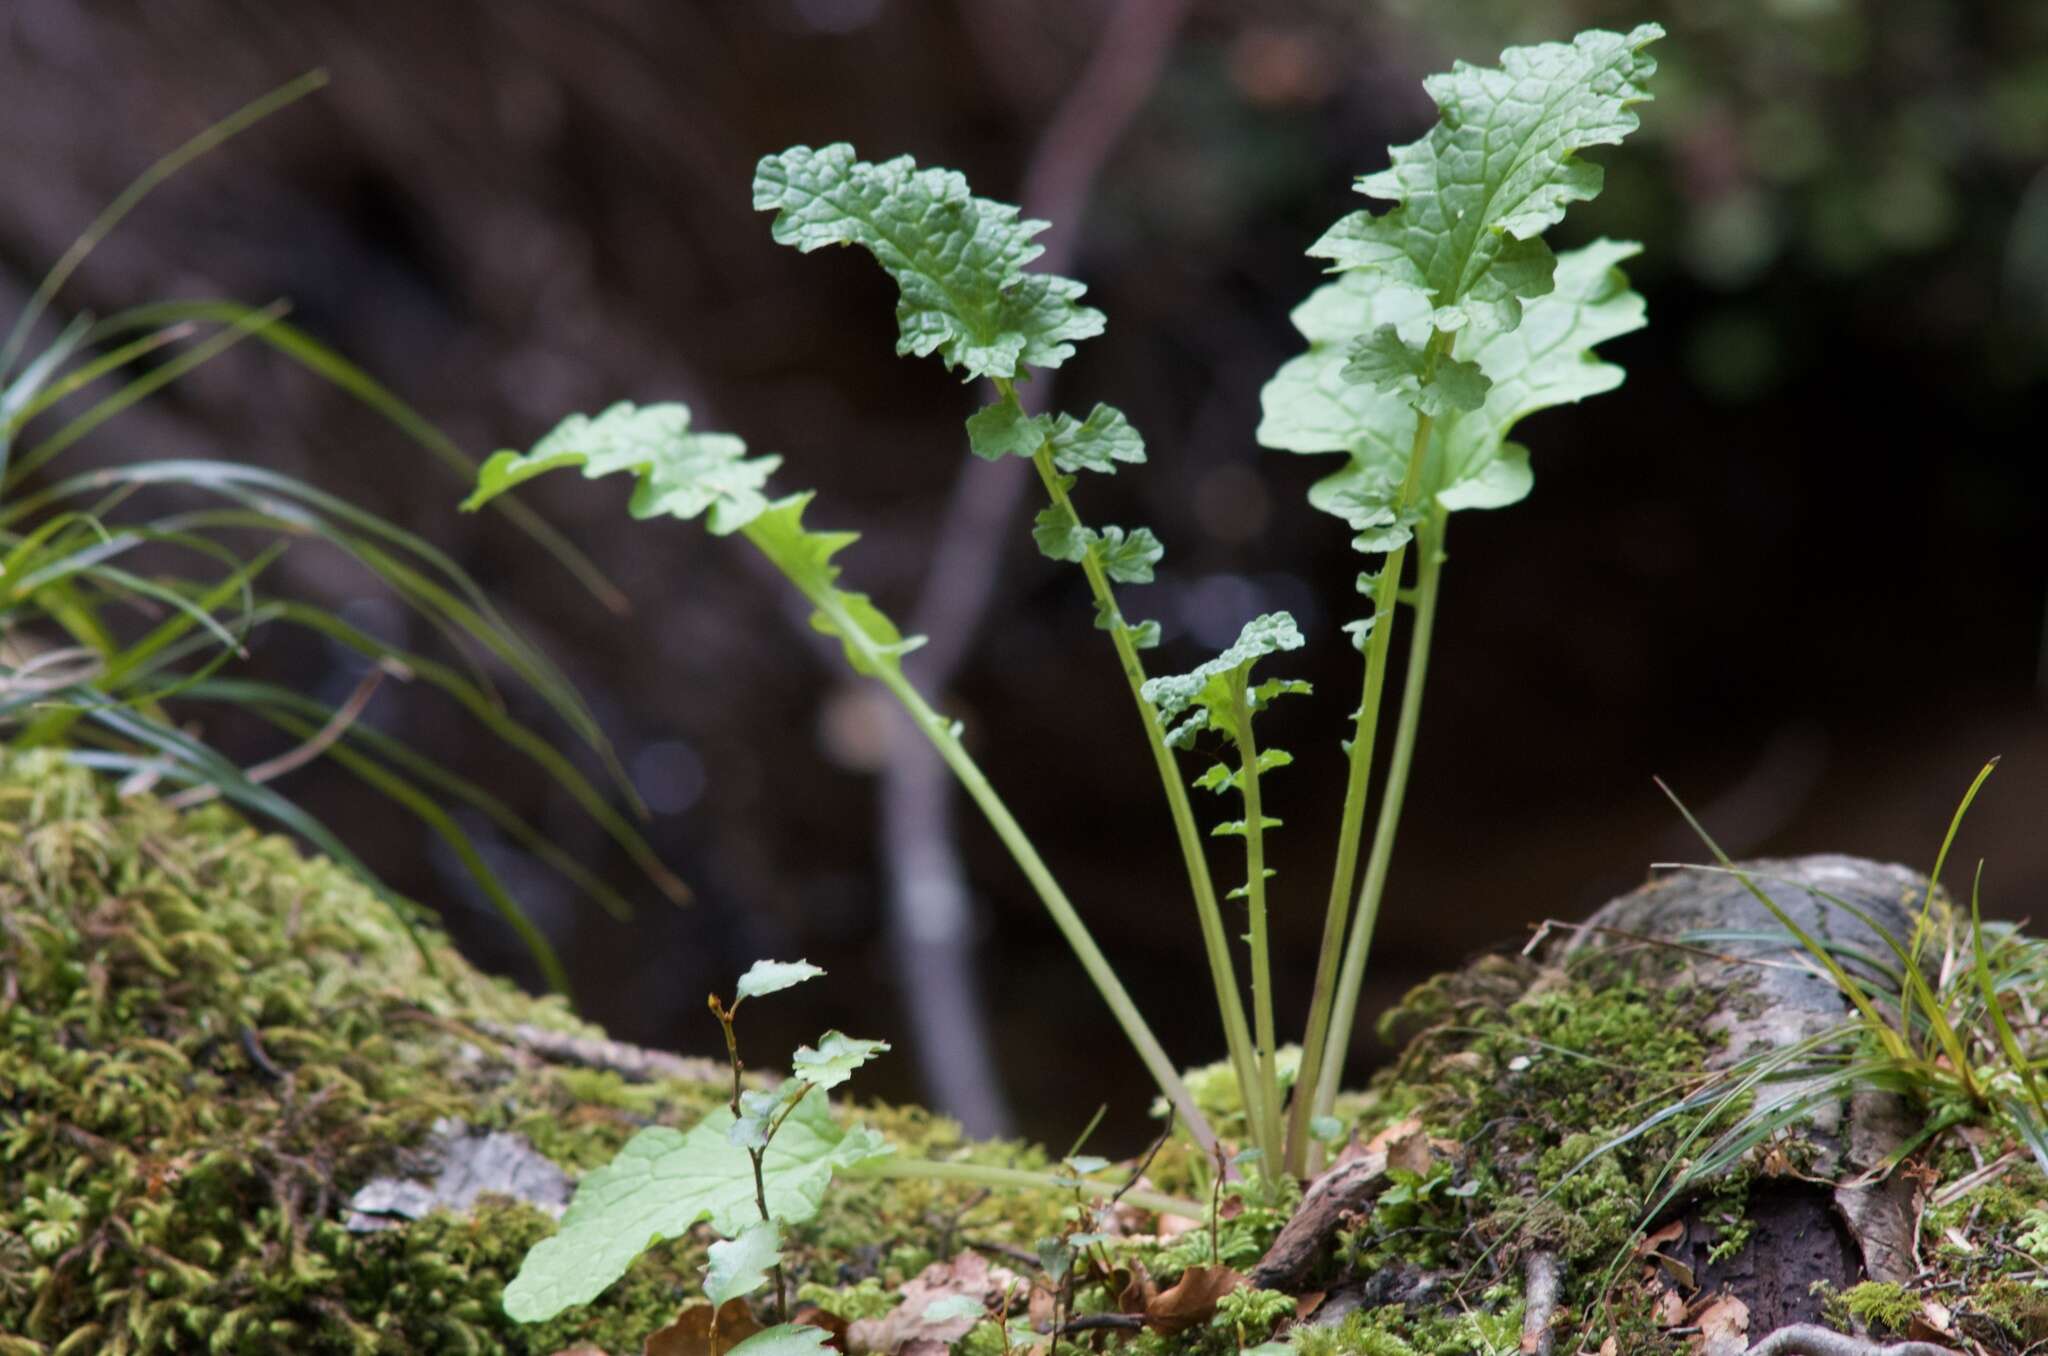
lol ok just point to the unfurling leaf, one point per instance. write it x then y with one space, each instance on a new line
663 1182
740 1265
681 474
834 1060
958 260
758 1109
1499 167
766 977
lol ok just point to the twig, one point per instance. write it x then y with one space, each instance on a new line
633 1061
323 739
1098 1322
1808 1339
1542 1273
928 894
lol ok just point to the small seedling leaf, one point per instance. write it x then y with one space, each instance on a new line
766 977
739 1266
834 1059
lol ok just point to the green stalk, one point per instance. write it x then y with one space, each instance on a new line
1215 938
1308 1100
1255 899
1429 538
983 1174
883 665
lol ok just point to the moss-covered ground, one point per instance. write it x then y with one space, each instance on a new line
209 1042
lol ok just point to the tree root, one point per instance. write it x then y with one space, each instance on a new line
1807 1339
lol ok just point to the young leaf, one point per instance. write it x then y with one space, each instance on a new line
666 1180
1383 361
767 976
869 637
1497 169
758 1109
1004 430
1261 636
958 260
681 474
834 1060
739 1266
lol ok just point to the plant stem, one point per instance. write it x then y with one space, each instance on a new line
1429 537
884 666
1308 1101
1215 939
1255 900
983 1174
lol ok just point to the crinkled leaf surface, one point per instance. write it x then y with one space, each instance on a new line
767 976
681 474
666 1180
739 1266
958 260
1310 406
833 1060
1096 443
1261 636
1499 167
1389 363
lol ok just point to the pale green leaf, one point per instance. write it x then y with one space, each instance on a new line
1096 443
785 1339
1499 167
767 976
869 637
680 474
1059 535
739 1266
834 1059
663 1182
958 260
1310 406
758 1109
1144 634
1128 557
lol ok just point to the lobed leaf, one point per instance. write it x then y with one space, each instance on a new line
958 260
1501 165
869 637
679 473
1261 636
663 1182
834 1059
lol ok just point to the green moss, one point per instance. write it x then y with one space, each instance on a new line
1881 1306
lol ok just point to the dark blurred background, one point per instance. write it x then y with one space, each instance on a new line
1795 565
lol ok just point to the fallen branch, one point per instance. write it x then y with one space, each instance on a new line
1542 1274
1344 1189
1809 1339
631 1061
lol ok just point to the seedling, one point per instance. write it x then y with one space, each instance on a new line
1448 321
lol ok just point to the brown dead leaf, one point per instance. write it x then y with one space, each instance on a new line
1670 1309
584 1350
1673 1232
1306 1304
1173 1226
1931 1324
968 1276
694 1334
1133 1287
1192 1299
1724 1328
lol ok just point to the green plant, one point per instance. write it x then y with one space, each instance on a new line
117 628
1450 320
